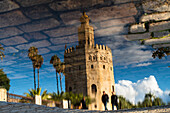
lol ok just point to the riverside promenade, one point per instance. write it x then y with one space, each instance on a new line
7 107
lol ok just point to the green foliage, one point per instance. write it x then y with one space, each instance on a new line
33 92
75 98
149 101
124 104
57 96
161 52
158 102
4 81
59 67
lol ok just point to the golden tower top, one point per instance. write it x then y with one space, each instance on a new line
84 19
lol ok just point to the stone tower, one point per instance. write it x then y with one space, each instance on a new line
89 67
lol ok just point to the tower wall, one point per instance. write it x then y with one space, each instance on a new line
99 68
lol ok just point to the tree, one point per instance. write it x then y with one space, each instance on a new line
161 52
57 96
1 53
33 92
124 104
158 102
61 70
4 81
56 63
32 52
38 63
148 100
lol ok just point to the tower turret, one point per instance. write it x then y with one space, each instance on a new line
85 32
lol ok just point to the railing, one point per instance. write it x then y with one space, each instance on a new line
22 99
19 99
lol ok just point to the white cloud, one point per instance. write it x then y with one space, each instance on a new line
143 64
18 76
135 92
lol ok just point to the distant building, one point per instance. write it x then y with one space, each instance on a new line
89 67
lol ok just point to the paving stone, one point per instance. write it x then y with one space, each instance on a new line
110 31
40 25
74 4
10 50
12 18
157 41
37 12
138 36
9 31
26 3
109 23
62 31
116 11
43 51
38 44
34 36
71 17
137 28
161 34
155 17
7 5
13 41
159 26
64 40
156 6
61 47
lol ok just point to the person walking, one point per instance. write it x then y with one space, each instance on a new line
105 99
114 101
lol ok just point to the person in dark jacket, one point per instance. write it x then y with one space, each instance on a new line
83 103
114 101
105 99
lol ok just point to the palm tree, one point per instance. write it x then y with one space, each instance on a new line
1 53
61 70
33 92
148 100
38 63
158 102
31 54
56 63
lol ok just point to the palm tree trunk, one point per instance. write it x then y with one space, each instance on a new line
57 82
38 80
34 79
60 82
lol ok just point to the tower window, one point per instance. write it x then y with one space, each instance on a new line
104 58
94 58
90 58
111 68
91 66
100 58
94 88
103 66
113 88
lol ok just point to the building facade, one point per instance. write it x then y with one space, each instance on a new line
89 67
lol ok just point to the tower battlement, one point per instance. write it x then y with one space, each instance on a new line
97 47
